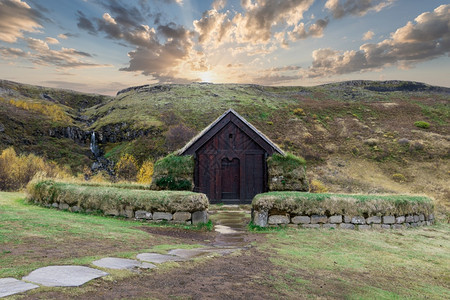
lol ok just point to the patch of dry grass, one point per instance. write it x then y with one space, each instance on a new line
362 265
352 175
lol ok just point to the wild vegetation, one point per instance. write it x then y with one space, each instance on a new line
344 130
174 172
32 236
287 173
17 170
291 263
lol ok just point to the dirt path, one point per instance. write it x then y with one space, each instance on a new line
242 274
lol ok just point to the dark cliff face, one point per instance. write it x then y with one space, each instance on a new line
71 132
120 132
108 134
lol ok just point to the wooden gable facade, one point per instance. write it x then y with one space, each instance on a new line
230 159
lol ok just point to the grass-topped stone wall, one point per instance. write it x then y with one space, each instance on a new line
341 211
173 206
287 173
174 172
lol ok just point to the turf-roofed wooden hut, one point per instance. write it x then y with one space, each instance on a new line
230 159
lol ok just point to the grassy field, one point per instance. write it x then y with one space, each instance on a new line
409 264
332 264
33 236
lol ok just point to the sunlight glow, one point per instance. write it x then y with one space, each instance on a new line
207 76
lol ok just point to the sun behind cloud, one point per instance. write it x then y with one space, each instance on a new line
207 76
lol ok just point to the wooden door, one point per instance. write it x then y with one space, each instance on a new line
230 179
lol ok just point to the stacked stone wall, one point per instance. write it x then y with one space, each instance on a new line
265 218
178 217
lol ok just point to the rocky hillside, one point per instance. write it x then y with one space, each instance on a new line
357 136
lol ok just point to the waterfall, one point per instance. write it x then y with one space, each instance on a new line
94 147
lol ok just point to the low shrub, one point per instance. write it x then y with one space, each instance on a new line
126 168
317 186
287 172
17 170
422 124
299 112
174 172
399 177
145 172
297 203
104 198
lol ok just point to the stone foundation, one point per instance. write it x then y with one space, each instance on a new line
265 219
179 217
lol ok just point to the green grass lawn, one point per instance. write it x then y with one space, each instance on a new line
302 263
404 264
33 236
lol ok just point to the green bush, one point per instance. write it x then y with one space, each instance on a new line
105 198
174 172
341 204
170 183
287 173
422 124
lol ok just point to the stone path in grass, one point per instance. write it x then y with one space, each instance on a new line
11 286
228 240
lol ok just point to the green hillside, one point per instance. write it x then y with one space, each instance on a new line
342 129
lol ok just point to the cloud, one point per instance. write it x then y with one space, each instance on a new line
368 35
277 75
127 15
179 2
213 27
17 17
256 23
219 4
11 52
274 79
65 36
315 30
51 41
341 8
166 60
41 54
261 22
85 24
165 52
426 38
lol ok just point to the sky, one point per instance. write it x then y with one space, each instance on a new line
103 46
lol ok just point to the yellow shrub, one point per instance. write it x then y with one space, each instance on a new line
299 112
55 112
399 177
317 186
145 172
17 170
126 168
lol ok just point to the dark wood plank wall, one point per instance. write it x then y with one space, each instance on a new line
230 166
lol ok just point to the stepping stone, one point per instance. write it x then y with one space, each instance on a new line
188 253
121 263
11 286
157 258
63 275
191 253
224 229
